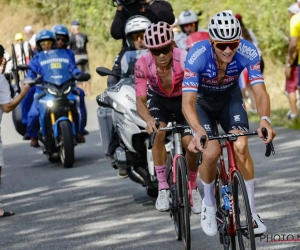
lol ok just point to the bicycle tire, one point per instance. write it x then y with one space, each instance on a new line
220 203
239 184
173 189
184 201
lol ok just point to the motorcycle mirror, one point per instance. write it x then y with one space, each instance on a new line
23 67
83 77
102 71
81 62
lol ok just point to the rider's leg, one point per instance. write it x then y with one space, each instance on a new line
26 105
208 171
33 124
193 173
160 158
234 120
83 115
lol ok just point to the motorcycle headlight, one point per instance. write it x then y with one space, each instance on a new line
67 90
50 103
118 107
51 91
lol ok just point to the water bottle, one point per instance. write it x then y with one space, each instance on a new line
225 197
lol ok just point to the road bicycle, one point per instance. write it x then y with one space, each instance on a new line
181 198
233 213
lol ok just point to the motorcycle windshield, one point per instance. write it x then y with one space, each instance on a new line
128 61
55 66
197 37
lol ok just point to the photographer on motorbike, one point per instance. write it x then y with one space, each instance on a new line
151 9
188 22
45 40
62 42
134 34
158 77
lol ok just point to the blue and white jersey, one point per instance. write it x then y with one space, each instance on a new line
201 71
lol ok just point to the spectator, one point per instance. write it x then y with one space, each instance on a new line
31 36
188 22
22 49
7 105
78 42
291 84
175 28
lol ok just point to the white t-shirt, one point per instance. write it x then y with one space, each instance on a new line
32 41
4 93
18 50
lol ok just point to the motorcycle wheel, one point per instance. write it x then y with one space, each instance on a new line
66 144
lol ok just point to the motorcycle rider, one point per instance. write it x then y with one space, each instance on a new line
158 77
188 22
151 9
134 30
45 40
62 42
211 92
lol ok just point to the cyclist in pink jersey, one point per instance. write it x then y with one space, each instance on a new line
158 77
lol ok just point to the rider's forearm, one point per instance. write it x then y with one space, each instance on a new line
263 104
190 114
143 110
292 54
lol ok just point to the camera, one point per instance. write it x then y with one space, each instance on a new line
123 2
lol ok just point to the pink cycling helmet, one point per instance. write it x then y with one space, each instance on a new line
158 35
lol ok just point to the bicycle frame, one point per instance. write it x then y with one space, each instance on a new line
232 167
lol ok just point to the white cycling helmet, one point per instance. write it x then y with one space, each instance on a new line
224 27
133 25
186 17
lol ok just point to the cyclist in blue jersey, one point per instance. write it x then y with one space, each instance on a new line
211 92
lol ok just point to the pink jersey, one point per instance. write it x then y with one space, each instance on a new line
146 73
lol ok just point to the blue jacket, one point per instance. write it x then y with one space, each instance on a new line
36 68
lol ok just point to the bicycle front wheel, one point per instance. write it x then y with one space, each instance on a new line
243 216
184 201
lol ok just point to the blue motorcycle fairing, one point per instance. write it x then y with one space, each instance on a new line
55 126
42 103
55 65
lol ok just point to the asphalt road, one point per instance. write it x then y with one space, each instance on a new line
88 207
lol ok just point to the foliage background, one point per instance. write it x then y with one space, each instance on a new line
269 20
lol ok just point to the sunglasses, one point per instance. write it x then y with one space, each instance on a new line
223 45
136 36
61 39
45 43
189 24
164 50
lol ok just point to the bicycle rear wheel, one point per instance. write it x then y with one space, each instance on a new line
243 217
174 211
184 201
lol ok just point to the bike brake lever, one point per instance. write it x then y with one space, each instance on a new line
202 142
269 146
152 136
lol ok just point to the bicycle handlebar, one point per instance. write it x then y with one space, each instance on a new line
269 146
152 136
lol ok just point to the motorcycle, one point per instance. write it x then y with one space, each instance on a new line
58 102
118 110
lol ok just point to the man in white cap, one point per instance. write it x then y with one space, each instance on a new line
31 36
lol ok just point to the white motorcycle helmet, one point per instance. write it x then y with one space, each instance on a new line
186 17
224 27
133 25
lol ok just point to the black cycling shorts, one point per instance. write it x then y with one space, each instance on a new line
161 108
229 110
